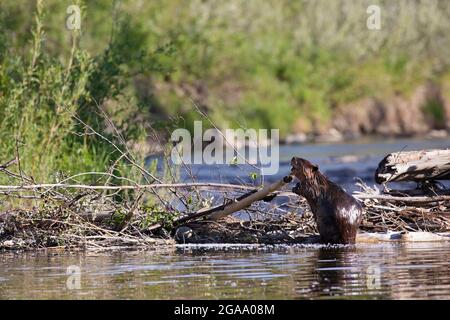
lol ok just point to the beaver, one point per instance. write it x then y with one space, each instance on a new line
337 214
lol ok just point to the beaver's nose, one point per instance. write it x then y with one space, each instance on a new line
293 161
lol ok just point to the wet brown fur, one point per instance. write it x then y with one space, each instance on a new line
329 203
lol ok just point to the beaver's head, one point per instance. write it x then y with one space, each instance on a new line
303 169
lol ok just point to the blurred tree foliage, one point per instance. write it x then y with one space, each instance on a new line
247 63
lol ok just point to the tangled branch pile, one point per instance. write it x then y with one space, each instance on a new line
92 224
84 218
91 217
388 212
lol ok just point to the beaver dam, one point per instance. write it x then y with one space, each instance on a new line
133 215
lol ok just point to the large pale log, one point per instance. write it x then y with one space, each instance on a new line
414 166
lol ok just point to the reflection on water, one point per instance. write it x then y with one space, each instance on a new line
385 271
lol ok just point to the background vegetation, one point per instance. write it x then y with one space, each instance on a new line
247 63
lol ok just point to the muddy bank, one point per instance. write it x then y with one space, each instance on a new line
425 111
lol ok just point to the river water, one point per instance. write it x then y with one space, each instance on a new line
248 272
377 271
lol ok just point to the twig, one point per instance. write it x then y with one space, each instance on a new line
15 188
403 199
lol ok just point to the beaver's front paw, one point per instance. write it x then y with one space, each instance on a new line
296 189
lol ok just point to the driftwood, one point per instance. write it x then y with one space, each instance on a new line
241 202
247 201
424 165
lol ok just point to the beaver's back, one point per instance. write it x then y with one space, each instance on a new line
338 215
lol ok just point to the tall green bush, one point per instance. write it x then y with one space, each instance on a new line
47 106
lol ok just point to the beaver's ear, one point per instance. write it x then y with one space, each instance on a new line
315 168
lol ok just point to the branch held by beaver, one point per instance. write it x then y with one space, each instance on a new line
337 214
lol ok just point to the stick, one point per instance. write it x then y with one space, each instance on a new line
403 199
247 201
125 187
237 204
